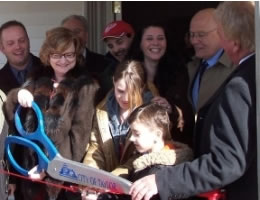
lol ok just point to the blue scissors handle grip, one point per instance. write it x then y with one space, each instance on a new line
39 134
28 140
42 158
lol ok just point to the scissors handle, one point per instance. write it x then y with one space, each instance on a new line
28 140
42 158
39 134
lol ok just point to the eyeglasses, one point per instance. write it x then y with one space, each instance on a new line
200 35
68 56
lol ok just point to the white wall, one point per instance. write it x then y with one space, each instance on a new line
38 17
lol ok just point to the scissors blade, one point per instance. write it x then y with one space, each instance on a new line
81 174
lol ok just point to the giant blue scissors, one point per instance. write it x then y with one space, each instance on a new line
55 165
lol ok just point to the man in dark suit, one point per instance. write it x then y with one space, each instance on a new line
15 45
225 134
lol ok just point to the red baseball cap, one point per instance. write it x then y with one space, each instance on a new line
117 29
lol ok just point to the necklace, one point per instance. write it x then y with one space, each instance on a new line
54 88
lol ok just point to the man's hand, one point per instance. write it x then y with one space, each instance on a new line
144 188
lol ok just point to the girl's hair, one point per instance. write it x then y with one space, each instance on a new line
133 74
58 40
154 116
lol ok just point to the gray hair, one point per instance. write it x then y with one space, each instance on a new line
80 18
238 22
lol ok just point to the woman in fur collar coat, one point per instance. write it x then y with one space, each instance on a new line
66 98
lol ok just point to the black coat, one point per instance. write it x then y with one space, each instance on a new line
7 78
225 144
102 69
96 63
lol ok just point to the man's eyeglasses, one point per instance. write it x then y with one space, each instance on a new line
68 56
200 35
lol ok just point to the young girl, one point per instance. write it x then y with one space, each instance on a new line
150 128
150 134
110 148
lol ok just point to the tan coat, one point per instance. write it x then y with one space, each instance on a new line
101 152
211 79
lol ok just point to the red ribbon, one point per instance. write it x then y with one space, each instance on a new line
214 195
70 188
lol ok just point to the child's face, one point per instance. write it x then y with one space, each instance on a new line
143 137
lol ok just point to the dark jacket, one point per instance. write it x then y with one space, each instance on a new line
102 69
68 112
96 63
7 78
172 80
225 144
111 57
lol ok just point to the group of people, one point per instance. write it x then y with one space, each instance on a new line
138 112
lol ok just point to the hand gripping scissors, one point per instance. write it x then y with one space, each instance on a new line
58 167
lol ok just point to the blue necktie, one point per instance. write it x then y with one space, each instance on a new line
203 68
21 76
196 84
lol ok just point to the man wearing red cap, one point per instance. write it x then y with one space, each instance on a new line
118 36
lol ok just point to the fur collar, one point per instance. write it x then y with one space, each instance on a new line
179 154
